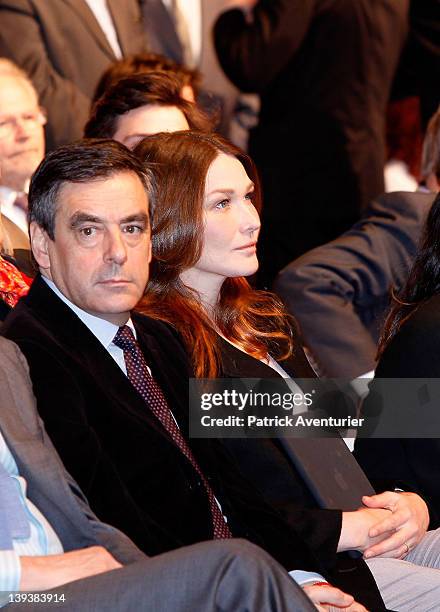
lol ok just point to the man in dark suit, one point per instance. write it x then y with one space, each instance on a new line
116 406
339 292
323 69
89 565
64 46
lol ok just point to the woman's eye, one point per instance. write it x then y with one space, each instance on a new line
250 196
222 204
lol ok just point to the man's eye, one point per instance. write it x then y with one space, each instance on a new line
133 229
223 204
87 231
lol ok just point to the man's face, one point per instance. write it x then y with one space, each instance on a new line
99 258
22 146
133 126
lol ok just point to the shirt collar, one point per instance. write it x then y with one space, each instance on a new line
102 329
7 196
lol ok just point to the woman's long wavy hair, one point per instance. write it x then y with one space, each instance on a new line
253 320
423 281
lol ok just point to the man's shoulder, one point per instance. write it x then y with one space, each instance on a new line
40 313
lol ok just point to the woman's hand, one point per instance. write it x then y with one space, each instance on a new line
330 599
407 523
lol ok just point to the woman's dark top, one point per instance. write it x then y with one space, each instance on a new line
412 464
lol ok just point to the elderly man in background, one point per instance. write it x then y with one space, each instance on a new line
21 149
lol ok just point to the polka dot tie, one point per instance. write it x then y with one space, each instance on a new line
146 386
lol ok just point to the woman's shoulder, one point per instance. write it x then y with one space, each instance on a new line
427 313
236 362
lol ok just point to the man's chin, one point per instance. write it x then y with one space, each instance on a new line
114 306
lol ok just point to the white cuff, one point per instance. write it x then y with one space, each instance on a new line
303 578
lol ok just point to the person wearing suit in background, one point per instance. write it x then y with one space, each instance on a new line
339 292
319 143
116 432
182 31
64 46
68 553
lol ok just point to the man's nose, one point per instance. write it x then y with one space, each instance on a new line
21 129
115 247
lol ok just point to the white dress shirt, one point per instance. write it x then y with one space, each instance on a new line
103 330
103 16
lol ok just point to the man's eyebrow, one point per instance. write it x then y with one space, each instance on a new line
140 218
80 217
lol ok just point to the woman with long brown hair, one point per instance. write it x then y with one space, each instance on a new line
205 227
204 235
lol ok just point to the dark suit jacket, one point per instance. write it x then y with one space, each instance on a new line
339 292
131 471
264 462
323 69
413 463
61 46
5 309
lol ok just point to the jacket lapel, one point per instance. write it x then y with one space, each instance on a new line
92 358
88 18
162 35
123 24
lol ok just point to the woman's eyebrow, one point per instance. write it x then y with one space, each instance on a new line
230 191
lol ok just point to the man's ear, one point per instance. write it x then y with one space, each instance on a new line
40 246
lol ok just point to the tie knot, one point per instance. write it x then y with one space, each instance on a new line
124 338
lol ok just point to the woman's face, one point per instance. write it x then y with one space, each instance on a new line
232 225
